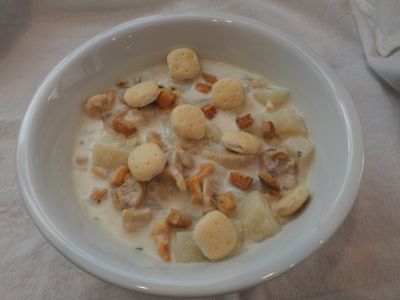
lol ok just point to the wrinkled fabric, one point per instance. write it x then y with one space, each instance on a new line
361 261
378 23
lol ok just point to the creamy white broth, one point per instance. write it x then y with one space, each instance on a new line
91 130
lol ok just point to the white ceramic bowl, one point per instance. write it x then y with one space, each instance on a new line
44 149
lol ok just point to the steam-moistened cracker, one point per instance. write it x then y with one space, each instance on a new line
241 142
183 64
227 94
188 122
146 161
142 94
215 235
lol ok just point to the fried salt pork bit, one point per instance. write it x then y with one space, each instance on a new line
81 160
122 84
119 175
161 235
100 172
194 186
209 111
268 130
241 181
205 170
166 98
209 194
244 121
98 194
227 203
209 78
203 88
268 181
195 182
129 194
122 125
281 167
178 219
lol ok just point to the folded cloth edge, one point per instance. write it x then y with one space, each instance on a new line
388 68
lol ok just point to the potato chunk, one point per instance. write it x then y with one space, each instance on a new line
257 218
276 96
213 133
134 219
108 156
299 146
286 121
110 151
185 250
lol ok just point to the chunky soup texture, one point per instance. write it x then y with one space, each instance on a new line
191 160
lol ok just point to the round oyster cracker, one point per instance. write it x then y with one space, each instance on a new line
146 161
188 122
227 94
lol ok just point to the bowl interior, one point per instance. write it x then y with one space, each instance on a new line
55 115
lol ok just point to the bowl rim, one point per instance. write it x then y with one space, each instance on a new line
312 241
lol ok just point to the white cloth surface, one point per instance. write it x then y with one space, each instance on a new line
361 261
378 23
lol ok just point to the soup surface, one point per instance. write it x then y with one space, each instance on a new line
192 161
